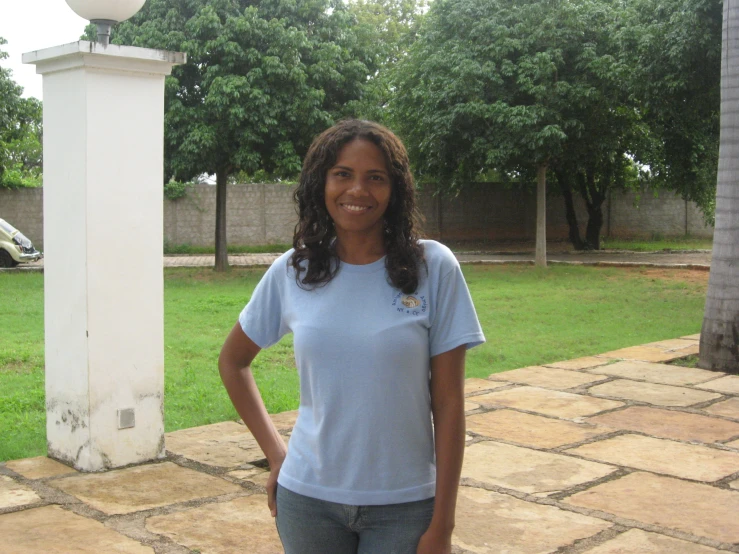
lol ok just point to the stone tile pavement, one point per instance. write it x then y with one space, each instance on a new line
606 454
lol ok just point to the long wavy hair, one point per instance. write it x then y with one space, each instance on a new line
314 238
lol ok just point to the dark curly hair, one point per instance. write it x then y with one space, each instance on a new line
315 234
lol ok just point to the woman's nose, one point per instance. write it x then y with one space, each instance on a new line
358 186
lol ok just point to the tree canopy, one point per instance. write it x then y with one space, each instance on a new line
262 79
673 51
511 87
20 133
389 28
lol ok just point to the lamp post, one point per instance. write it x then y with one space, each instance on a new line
103 234
105 13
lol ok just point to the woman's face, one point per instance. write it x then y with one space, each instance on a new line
358 190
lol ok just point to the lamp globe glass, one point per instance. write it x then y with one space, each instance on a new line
111 10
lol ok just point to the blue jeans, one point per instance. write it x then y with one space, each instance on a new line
310 526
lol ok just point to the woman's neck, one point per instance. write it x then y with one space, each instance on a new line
359 250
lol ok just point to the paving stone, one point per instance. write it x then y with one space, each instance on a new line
652 393
530 430
694 508
733 444
647 354
124 491
240 525
726 408
669 424
579 363
39 467
227 444
636 540
548 402
470 406
728 384
657 373
284 420
474 385
52 530
14 494
548 377
254 475
734 484
689 461
673 344
492 523
527 470
697 336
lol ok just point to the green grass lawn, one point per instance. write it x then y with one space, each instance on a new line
656 244
529 316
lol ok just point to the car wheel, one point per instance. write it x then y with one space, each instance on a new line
6 259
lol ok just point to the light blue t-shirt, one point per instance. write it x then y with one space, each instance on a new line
362 348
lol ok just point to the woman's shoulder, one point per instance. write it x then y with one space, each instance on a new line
437 255
281 264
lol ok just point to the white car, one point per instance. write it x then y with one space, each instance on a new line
15 247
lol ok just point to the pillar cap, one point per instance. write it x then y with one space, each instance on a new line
95 55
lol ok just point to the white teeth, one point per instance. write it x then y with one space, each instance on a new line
355 208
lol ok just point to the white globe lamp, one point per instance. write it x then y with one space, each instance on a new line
105 13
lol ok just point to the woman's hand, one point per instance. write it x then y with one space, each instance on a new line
435 542
271 486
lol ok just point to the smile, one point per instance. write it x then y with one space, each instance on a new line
354 208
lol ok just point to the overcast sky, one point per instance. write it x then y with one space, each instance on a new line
30 25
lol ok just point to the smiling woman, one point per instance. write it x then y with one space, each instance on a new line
381 322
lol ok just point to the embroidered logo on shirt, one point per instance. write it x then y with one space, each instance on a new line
410 304
410 301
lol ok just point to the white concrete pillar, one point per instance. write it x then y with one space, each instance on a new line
104 316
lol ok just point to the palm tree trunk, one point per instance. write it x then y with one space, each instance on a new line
221 240
541 216
719 344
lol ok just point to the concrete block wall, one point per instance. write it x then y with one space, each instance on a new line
255 214
24 209
645 214
489 211
265 214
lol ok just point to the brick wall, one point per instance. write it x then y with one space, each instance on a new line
264 214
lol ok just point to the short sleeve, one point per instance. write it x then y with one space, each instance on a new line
454 318
262 319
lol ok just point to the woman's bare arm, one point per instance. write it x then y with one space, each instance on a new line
234 366
447 407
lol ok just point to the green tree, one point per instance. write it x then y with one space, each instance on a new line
673 50
719 343
519 87
262 79
387 29
20 133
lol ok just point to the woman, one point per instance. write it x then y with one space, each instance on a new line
381 322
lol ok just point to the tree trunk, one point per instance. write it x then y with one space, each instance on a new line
570 213
719 343
221 241
594 199
595 224
541 216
